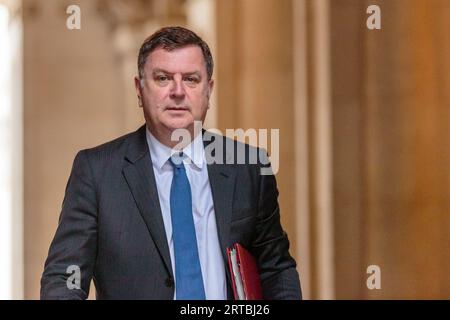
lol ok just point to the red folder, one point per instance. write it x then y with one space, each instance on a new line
244 274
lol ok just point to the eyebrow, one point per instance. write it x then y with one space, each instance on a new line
158 70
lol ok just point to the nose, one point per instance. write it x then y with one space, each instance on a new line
177 90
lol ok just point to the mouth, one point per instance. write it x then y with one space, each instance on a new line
177 109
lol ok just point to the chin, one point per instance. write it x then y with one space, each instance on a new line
179 124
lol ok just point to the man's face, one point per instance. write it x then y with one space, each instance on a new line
176 90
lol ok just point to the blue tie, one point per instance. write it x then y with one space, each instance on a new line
188 274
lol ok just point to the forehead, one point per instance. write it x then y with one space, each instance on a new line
186 59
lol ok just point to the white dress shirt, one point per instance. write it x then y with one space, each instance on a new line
211 261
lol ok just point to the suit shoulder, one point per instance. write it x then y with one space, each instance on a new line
115 148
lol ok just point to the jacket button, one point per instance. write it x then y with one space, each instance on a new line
169 282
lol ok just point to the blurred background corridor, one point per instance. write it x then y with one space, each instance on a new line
364 162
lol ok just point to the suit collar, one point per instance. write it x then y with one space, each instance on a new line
137 146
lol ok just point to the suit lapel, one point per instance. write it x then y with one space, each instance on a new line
222 181
138 172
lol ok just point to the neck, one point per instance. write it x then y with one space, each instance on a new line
181 139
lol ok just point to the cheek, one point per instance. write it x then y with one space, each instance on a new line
201 100
204 104
155 100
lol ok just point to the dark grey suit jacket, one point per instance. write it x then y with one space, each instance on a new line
111 225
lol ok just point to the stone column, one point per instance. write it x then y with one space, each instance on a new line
256 90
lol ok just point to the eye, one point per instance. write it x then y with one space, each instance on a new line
192 80
162 78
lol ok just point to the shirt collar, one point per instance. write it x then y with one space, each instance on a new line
161 153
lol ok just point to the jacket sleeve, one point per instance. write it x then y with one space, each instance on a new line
279 277
71 258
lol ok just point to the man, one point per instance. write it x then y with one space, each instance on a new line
146 216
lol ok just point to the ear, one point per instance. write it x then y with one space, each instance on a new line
137 85
210 87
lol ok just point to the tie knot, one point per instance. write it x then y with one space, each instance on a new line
177 160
